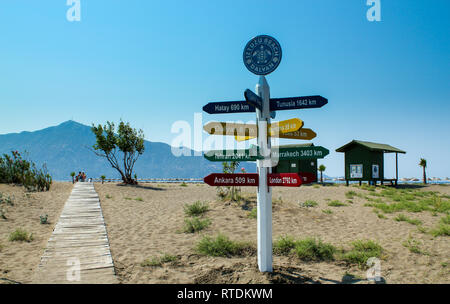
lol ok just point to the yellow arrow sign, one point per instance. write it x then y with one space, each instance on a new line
236 129
285 126
305 134
251 130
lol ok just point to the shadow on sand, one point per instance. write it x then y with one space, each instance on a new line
141 187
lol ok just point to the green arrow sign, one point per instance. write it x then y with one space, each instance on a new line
290 153
232 155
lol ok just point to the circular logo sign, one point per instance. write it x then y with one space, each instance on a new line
262 55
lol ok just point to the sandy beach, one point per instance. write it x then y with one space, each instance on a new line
146 221
18 260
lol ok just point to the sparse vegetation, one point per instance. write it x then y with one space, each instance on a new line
313 249
361 251
183 184
195 209
108 196
44 219
139 199
414 246
309 203
15 169
350 194
283 245
222 246
192 225
336 203
20 235
253 213
159 261
404 218
327 211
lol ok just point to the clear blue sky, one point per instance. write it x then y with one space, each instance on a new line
155 62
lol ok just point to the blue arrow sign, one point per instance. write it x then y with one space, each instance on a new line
253 99
276 104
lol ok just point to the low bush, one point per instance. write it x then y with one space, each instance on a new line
192 225
312 249
222 246
195 209
404 218
336 203
21 236
159 261
361 251
283 245
309 203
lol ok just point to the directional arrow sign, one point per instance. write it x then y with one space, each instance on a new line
292 103
276 104
290 125
306 134
253 99
233 155
238 179
291 153
307 177
228 107
284 179
222 128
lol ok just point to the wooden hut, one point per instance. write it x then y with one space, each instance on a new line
364 161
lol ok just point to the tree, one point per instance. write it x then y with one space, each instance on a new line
321 169
103 178
230 168
423 164
128 140
73 177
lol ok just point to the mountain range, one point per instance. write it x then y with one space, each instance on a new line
67 148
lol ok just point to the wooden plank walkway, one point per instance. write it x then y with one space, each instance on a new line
78 250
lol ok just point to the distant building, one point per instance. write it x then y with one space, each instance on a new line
364 161
297 165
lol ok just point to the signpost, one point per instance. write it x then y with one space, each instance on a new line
284 179
232 155
291 153
238 179
294 103
306 134
261 56
276 104
307 177
253 99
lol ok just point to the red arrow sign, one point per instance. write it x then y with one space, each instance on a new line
307 177
284 179
238 179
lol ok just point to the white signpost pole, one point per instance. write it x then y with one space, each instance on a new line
264 195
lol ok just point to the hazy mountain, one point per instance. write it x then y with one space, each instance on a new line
65 148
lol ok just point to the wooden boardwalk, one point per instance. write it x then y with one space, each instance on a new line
78 250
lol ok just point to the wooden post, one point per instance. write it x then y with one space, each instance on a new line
396 167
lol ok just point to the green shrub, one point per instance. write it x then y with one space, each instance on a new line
44 219
336 203
414 246
350 194
253 213
183 184
222 246
283 245
361 251
139 199
21 236
327 211
313 249
195 224
441 230
158 261
195 209
309 203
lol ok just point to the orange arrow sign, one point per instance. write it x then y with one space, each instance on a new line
305 134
